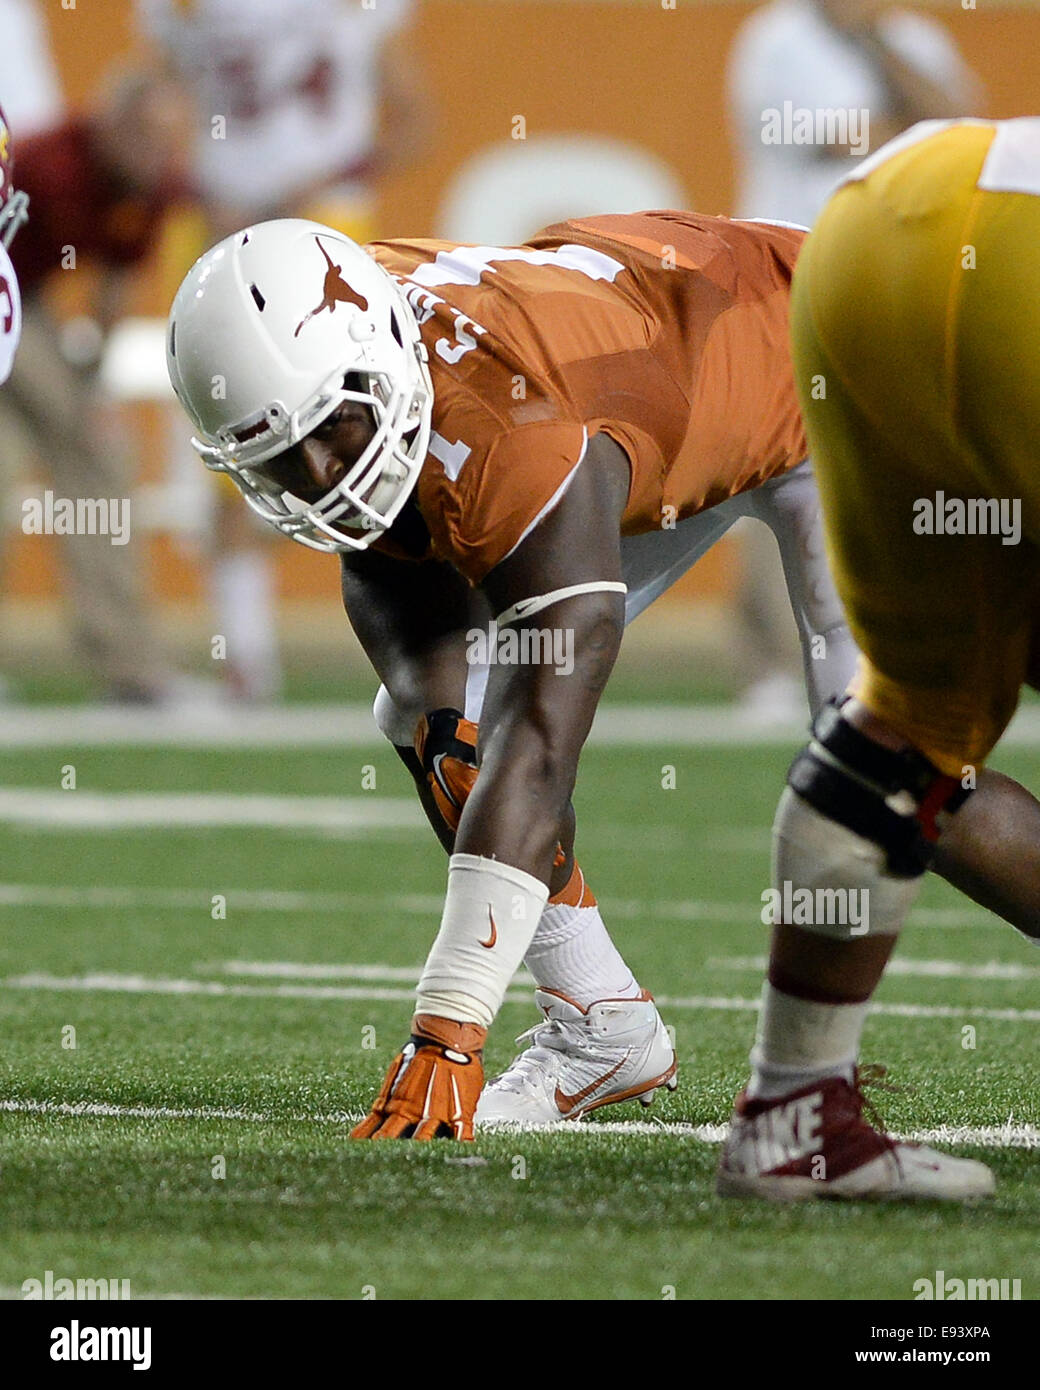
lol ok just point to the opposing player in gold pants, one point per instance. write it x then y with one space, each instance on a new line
916 338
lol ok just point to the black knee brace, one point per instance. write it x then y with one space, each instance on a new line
891 798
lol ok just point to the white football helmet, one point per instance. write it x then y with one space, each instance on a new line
14 205
271 330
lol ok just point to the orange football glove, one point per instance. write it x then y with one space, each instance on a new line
433 1085
447 747
446 744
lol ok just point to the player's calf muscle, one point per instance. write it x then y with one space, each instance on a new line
563 864
515 817
445 735
991 851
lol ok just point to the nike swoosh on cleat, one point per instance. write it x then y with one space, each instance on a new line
494 931
565 1104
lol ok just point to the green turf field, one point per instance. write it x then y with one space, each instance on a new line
194 1142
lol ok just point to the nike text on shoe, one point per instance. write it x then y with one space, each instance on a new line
579 1059
816 1143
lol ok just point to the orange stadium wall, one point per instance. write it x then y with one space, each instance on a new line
630 69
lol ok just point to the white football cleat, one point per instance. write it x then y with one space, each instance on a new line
815 1142
579 1059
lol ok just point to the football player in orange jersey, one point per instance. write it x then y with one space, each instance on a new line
545 436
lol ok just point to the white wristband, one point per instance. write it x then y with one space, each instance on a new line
490 914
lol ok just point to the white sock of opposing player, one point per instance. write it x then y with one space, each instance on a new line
799 1041
243 582
572 952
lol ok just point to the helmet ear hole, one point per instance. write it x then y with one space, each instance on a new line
395 329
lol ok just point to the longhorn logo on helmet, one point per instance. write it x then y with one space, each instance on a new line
335 290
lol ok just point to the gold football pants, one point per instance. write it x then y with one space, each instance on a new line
916 340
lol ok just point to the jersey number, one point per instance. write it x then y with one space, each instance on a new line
237 77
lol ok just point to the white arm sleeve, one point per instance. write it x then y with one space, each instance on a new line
790 507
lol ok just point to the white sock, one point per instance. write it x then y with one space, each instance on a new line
799 1041
243 582
573 953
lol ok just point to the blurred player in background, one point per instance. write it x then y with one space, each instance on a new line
857 56
13 212
31 93
301 107
600 405
99 187
29 84
889 68
915 320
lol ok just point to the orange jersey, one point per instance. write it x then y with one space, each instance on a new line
665 330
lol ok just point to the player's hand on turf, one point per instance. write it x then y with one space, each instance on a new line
433 1085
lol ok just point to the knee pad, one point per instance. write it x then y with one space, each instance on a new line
393 722
830 881
856 817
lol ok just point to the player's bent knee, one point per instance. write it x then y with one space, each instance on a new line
393 722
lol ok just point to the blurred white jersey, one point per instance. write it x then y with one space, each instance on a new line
10 314
287 90
29 87
788 57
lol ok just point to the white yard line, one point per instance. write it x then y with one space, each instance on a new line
102 983
901 965
1009 1135
86 810
350 725
720 1003
251 899
413 904
103 1110
304 970
106 983
377 971
196 726
9 1293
